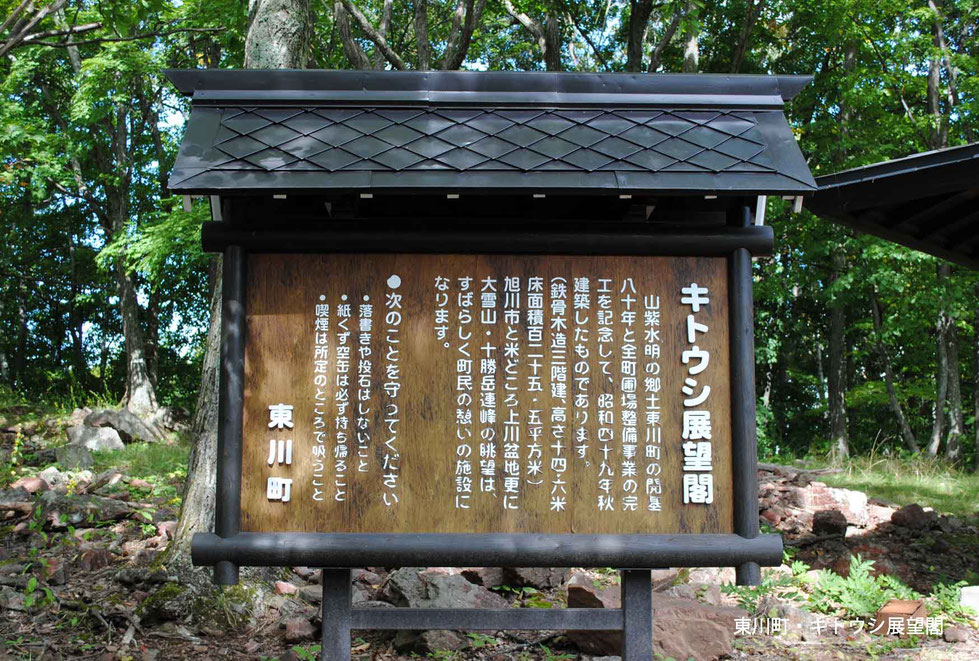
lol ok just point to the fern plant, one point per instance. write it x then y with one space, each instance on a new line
860 594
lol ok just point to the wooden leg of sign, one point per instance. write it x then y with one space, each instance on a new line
337 600
637 615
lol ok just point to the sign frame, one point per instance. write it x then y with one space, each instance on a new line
228 548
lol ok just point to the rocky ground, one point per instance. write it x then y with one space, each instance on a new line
85 574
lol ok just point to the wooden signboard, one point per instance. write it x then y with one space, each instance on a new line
486 393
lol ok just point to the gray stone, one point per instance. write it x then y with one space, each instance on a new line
55 478
488 577
128 426
73 456
542 578
59 511
970 597
431 588
95 438
430 642
312 594
955 635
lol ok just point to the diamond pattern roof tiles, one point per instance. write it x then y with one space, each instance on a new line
301 138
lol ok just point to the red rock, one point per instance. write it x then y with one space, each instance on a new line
284 587
31 484
771 516
140 484
94 559
22 528
53 571
299 629
167 528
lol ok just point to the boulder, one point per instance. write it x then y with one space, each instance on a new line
542 578
418 587
429 642
284 587
970 597
488 577
914 517
55 478
78 416
129 427
682 628
829 522
73 456
95 438
299 629
60 511
94 559
31 484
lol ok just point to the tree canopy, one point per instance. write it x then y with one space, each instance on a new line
861 344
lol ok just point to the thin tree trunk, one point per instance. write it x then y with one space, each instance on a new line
656 57
956 419
754 10
153 337
941 379
20 357
839 440
975 374
639 11
382 29
902 421
75 324
355 54
421 35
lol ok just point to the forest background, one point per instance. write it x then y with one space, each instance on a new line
105 296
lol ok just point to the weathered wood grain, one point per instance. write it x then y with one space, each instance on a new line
281 295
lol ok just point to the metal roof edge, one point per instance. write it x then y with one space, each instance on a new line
899 166
533 87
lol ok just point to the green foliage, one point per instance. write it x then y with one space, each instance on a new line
860 594
310 653
773 583
480 640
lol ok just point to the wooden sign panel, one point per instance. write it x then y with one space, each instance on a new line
486 393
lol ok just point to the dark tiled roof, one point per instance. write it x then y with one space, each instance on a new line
928 201
647 134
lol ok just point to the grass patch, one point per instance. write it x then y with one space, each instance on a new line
162 465
928 482
145 460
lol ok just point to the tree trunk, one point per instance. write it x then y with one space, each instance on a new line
20 355
421 35
279 33
975 375
552 36
956 419
754 9
941 379
153 337
839 441
140 394
76 325
639 11
902 421
197 512
691 51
